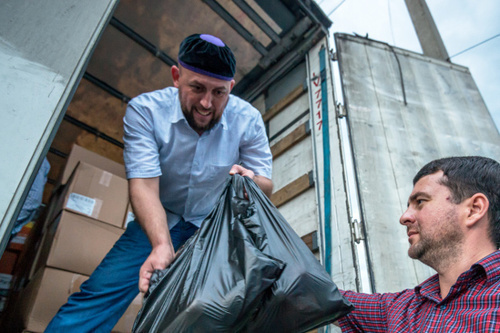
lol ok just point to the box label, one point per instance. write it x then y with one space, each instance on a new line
18 239
5 280
81 203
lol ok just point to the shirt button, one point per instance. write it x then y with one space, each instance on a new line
443 307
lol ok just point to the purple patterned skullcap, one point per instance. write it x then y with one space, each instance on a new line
212 39
207 55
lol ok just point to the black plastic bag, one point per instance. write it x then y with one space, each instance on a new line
245 270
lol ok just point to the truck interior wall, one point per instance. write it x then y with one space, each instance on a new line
297 161
288 111
285 122
302 213
125 69
284 86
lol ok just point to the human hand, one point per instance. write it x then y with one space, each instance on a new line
265 184
238 169
160 258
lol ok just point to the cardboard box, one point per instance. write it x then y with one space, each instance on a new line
27 258
76 243
80 154
5 282
49 290
8 261
95 193
18 241
44 295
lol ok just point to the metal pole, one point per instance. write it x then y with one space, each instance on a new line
427 32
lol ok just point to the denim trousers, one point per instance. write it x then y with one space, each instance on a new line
106 295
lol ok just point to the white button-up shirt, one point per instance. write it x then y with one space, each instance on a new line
192 168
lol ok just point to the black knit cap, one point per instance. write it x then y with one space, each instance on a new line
207 55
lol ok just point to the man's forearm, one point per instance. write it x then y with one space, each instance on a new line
145 199
149 211
265 184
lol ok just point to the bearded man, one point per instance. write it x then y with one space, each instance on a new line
453 226
181 144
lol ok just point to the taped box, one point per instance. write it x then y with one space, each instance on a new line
95 193
76 243
48 291
80 154
8 261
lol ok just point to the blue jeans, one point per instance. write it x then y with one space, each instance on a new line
105 296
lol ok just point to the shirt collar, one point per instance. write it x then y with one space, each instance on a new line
177 115
429 288
489 265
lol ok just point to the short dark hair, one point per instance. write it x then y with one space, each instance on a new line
466 176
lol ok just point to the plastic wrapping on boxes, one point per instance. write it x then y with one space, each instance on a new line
245 270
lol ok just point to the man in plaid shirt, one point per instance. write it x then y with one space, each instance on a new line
453 225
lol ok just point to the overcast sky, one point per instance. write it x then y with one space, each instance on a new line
461 23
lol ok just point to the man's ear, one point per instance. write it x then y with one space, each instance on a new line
477 207
176 74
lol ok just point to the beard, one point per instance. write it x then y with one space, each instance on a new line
188 114
440 248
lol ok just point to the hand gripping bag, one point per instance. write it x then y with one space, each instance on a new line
304 297
217 279
245 270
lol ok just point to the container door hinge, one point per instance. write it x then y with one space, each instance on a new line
357 231
341 113
333 55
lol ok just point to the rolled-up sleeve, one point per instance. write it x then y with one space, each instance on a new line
141 152
255 153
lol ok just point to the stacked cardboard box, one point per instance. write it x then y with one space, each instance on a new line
86 217
9 263
19 240
49 289
79 154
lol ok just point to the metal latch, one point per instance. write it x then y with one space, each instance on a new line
333 55
357 231
341 113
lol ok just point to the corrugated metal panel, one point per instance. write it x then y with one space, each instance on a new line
43 48
404 110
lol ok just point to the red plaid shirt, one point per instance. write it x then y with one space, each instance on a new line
472 305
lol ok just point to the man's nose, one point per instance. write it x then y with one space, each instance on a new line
407 217
206 100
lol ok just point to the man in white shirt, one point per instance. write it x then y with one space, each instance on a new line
181 144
